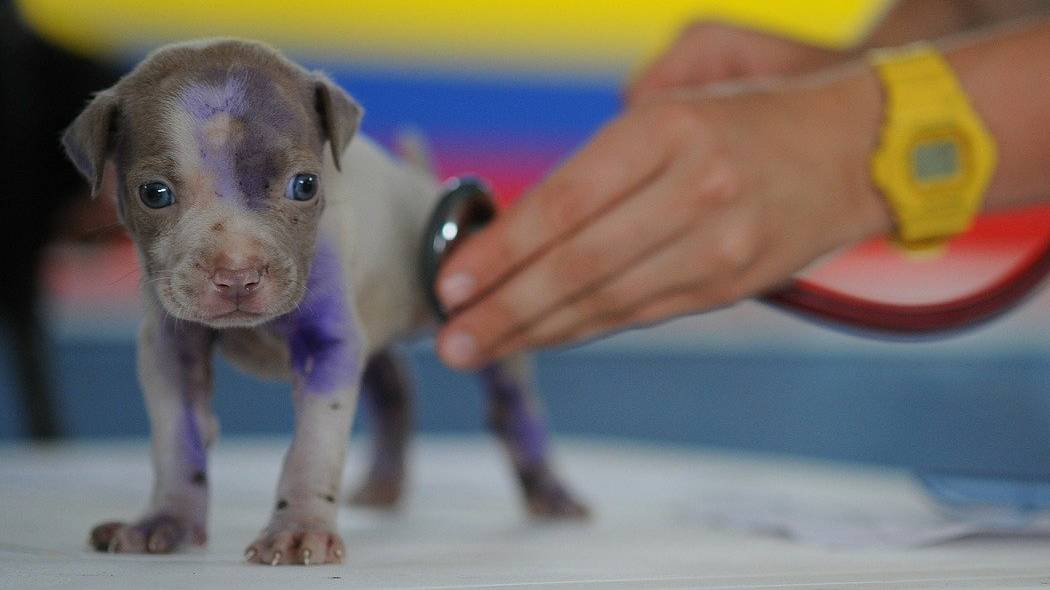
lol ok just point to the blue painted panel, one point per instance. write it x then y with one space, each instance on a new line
975 415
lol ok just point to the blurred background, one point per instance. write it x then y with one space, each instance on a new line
505 90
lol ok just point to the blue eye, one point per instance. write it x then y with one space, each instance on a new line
156 195
303 187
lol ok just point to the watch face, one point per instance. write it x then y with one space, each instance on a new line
937 159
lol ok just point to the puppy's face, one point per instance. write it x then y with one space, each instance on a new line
218 154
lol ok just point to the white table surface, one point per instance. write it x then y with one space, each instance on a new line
462 526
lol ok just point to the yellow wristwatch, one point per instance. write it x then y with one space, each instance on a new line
935 157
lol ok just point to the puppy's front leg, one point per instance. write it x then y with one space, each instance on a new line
174 361
302 529
326 362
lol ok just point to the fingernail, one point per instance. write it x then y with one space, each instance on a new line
456 289
459 348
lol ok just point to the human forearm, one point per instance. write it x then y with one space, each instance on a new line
1008 80
914 20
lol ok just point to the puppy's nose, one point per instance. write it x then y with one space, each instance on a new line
236 284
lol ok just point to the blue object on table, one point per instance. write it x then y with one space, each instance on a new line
965 492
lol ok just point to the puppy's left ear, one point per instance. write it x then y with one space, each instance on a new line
89 140
339 114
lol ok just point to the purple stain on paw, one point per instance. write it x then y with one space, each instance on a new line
512 419
322 339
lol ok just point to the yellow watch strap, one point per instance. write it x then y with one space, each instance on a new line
917 78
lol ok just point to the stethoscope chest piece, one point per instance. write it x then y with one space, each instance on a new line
465 207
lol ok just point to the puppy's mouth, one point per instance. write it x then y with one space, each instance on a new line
227 315
237 315
217 304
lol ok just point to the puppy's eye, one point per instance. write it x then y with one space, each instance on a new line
156 195
303 187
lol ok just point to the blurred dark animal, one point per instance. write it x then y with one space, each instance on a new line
42 87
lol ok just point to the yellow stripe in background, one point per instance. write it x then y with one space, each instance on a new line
575 35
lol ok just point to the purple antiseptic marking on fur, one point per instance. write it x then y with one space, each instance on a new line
191 348
525 431
244 166
192 441
204 101
322 339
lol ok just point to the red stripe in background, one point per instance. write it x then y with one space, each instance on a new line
510 175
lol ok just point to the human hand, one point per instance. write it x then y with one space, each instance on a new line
683 204
708 52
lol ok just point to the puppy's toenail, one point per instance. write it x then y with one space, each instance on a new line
306 556
250 553
276 558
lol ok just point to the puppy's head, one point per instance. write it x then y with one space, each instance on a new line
217 150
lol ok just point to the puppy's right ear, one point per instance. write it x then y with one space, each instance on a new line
89 140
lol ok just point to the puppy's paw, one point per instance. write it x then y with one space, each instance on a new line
546 497
557 504
378 492
293 545
160 533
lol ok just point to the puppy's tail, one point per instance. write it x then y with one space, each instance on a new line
414 149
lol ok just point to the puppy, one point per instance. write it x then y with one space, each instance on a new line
267 230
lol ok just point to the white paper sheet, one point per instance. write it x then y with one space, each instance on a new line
841 522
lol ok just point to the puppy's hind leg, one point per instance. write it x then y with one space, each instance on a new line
387 391
515 417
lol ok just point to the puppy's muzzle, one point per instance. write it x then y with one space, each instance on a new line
237 285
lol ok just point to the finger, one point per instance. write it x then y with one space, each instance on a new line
723 247
661 309
686 300
643 224
623 155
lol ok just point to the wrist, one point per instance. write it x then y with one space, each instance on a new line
852 103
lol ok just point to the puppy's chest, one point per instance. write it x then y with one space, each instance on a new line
259 351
